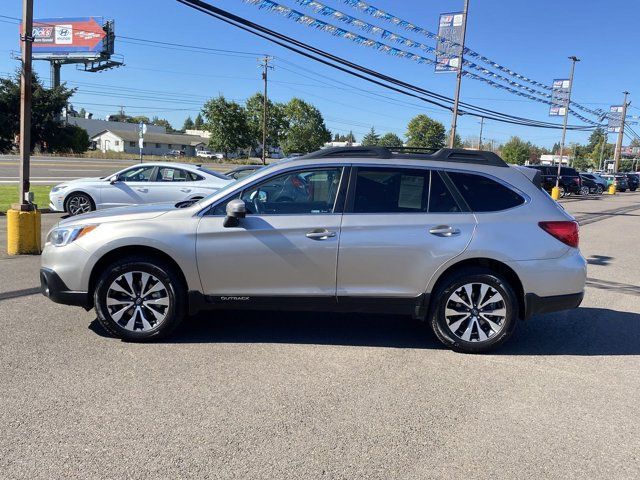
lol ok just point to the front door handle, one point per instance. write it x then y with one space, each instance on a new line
320 234
143 190
185 190
444 231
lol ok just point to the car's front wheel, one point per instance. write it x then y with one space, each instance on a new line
476 311
137 299
599 189
584 191
78 203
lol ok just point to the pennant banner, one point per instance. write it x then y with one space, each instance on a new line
312 22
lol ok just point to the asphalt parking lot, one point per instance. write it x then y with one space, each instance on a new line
329 396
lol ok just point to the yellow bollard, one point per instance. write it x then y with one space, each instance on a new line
555 193
23 232
612 189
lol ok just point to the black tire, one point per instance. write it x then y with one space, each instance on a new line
584 191
563 192
78 202
172 288
454 283
599 189
633 189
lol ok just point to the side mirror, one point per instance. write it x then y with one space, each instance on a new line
113 179
236 209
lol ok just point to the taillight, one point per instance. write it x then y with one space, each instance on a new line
565 231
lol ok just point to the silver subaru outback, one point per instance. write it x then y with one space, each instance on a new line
457 238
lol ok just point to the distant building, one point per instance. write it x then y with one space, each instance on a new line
94 126
553 159
198 133
342 144
154 143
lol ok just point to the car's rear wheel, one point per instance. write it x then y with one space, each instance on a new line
139 300
476 311
563 192
78 203
599 189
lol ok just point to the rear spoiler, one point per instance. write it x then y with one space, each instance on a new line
531 173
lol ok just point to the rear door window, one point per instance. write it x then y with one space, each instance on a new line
483 194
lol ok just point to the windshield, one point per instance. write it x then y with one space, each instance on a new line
213 173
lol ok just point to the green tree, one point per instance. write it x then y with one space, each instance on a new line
350 137
390 140
161 122
68 139
47 105
596 138
188 124
516 151
227 123
82 113
582 163
425 132
276 122
371 139
198 123
305 128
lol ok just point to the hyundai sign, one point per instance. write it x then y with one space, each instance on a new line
68 38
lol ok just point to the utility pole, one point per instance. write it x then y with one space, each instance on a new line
265 77
604 142
480 137
25 104
454 120
618 152
555 193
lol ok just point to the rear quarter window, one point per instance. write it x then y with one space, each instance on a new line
483 194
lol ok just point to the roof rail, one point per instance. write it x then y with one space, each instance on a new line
453 155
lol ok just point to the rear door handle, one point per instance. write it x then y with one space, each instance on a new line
185 190
444 231
143 190
320 234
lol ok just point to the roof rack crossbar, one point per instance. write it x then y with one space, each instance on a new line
452 155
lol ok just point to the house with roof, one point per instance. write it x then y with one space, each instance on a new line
154 143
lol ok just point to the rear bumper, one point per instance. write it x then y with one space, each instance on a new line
52 287
533 304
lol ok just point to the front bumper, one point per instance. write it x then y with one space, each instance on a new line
52 287
533 304
56 202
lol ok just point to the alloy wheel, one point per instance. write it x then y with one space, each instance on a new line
138 301
475 312
79 204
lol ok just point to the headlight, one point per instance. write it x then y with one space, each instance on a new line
59 237
58 188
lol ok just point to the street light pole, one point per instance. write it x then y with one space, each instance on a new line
618 152
454 120
555 193
480 137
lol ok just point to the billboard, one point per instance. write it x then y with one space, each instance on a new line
560 97
615 118
450 29
68 38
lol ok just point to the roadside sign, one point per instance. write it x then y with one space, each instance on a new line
615 118
450 31
141 143
142 129
559 97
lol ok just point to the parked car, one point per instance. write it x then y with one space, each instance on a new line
597 178
570 181
205 154
243 171
633 180
142 183
590 186
457 238
174 154
618 179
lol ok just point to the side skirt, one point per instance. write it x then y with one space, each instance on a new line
415 306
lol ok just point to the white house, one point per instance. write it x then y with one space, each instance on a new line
154 143
553 159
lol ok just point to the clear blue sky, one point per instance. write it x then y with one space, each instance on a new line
532 38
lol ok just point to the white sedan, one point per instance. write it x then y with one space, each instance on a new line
143 183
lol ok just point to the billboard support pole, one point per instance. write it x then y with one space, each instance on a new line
618 152
454 119
573 59
55 73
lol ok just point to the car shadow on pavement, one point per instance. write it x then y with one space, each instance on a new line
583 331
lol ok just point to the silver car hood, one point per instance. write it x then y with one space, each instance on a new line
121 214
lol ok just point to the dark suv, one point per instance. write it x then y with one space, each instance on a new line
633 180
570 181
